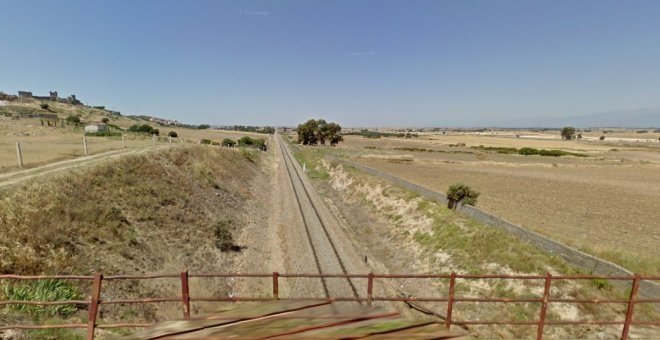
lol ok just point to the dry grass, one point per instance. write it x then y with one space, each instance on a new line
411 234
152 212
605 204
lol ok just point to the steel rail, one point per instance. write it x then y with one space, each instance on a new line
302 213
318 215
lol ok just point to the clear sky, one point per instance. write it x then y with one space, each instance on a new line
359 63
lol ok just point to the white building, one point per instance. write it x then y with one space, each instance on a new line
96 128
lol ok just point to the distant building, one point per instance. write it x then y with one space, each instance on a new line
24 95
52 96
96 128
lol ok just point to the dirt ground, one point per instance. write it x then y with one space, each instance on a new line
606 203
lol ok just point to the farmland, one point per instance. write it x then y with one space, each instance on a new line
604 203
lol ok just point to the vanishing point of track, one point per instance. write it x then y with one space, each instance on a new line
304 195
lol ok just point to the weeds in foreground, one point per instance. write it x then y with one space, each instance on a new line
43 290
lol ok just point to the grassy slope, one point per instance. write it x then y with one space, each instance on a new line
148 213
115 208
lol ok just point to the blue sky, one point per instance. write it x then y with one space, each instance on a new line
360 63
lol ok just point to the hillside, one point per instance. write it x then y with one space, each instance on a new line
46 136
22 108
166 211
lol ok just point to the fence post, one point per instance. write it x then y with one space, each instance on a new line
123 142
170 139
544 306
631 307
94 307
370 288
85 144
450 299
185 295
276 286
153 139
19 154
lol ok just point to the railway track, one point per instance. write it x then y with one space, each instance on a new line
326 256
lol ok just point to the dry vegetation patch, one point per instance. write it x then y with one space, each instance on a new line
403 233
155 212
604 204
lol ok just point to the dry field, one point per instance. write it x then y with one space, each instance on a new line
43 144
606 203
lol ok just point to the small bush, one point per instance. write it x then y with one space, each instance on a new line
602 138
43 290
206 141
642 131
44 106
73 119
602 284
247 141
228 143
461 193
203 126
172 134
105 120
144 128
223 237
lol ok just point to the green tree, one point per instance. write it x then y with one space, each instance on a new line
313 132
461 193
307 132
332 133
172 134
568 133
203 126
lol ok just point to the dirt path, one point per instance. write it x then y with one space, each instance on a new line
12 178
